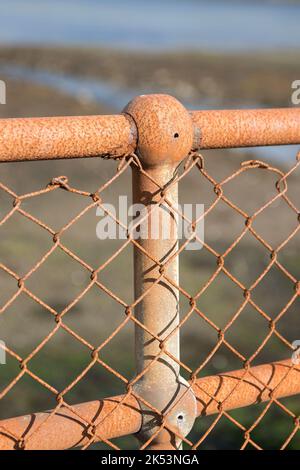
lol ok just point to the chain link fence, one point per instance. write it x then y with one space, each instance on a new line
235 309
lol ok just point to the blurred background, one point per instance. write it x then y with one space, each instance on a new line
78 57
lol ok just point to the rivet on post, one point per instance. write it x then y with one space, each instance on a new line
165 137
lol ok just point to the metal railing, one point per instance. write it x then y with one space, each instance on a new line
160 141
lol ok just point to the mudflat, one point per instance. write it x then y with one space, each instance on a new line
214 79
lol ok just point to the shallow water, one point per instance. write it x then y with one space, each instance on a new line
155 24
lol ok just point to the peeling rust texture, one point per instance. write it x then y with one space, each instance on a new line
164 441
165 137
165 129
114 136
248 128
159 312
66 429
66 137
259 384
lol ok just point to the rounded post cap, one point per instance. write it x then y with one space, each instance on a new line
165 129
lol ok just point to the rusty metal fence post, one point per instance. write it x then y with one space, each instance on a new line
165 137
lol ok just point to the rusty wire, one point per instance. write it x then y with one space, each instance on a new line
195 161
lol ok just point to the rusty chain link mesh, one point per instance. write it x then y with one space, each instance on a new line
221 333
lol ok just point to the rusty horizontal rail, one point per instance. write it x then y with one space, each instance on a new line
116 135
236 389
66 137
248 127
233 389
65 429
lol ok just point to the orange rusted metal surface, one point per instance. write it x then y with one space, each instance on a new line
114 136
164 128
66 137
243 387
165 137
112 417
247 127
217 393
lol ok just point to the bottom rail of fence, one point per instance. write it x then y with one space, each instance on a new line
121 415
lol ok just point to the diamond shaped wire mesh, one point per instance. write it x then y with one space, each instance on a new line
211 401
